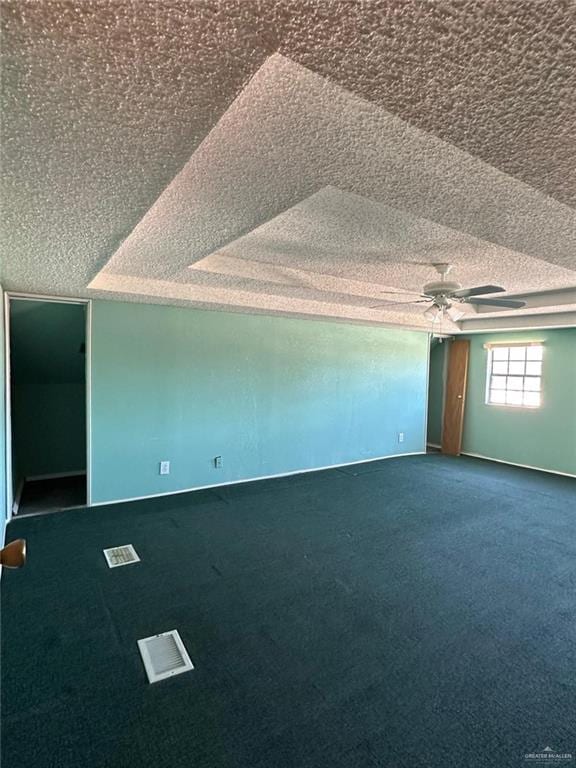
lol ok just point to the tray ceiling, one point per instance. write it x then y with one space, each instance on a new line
289 157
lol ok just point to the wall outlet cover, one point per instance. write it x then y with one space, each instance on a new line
400 437
218 462
164 467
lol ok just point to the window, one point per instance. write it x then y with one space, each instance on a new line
514 375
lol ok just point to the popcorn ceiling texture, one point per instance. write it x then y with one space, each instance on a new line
106 102
287 133
310 245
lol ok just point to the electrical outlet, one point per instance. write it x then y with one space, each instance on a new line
400 437
217 462
164 467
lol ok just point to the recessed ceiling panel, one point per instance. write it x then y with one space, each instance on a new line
300 174
334 239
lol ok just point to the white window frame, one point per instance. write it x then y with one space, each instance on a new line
489 367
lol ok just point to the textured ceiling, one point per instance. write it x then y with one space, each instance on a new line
194 152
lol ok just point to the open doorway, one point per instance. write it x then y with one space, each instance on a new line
437 373
48 404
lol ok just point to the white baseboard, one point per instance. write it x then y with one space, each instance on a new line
55 475
254 479
434 445
515 464
45 512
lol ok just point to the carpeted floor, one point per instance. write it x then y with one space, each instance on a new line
409 613
52 494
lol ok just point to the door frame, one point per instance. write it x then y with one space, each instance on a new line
14 295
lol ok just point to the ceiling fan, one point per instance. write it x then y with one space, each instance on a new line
442 296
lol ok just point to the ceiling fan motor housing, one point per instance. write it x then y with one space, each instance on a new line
440 288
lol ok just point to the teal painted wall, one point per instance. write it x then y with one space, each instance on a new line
543 437
3 489
436 390
268 394
48 388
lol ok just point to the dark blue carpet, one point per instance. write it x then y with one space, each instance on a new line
415 612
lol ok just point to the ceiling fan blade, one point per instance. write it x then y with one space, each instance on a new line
480 290
399 303
401 293
509 303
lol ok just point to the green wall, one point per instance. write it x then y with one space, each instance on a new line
268 394
544 437
436 390
48 388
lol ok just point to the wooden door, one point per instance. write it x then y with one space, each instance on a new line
455 397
